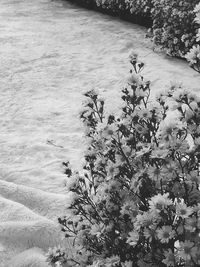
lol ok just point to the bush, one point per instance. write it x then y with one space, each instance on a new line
197 11
137 11
114 6
142 7
137 201
174 27
193 56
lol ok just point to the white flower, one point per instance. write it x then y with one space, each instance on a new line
197 11
159 202
129 208
159 153
168 127
140 92
97 229
165 234
179 93
133 238
134 79
187 250
183 211
109 131
133 57
147 219
127 264
144 113
72 182
193 55
169 258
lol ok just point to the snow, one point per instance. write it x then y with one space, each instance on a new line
51 52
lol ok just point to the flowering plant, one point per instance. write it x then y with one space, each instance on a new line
133 10
193 56
57 257
174 28
115 6
137 201
197 20
142 7
173 25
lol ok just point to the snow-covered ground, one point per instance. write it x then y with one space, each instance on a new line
50 53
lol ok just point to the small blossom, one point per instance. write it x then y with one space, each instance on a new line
191 224
169 258
109 131
56 255
144 113
127 264
129 208
159 202
133 57
159 153
147 219
165 233
96 229
168 127
194 177
133 238
112 169
134 79
183 211
187 250
193 55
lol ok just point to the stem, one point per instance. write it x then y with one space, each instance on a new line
97 111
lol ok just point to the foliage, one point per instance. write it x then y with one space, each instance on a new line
137 201
197 19
116 6
174 27
57 257
193 56
142 7
137 11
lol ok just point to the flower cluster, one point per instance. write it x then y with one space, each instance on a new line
115 6
197 20
142 7
138 11
193 56
174 27
136 202
56 257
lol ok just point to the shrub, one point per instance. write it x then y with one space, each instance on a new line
141 7
197 11
137 11
136 203
193 56
115 6
173 25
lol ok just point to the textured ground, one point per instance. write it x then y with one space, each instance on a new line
50 53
